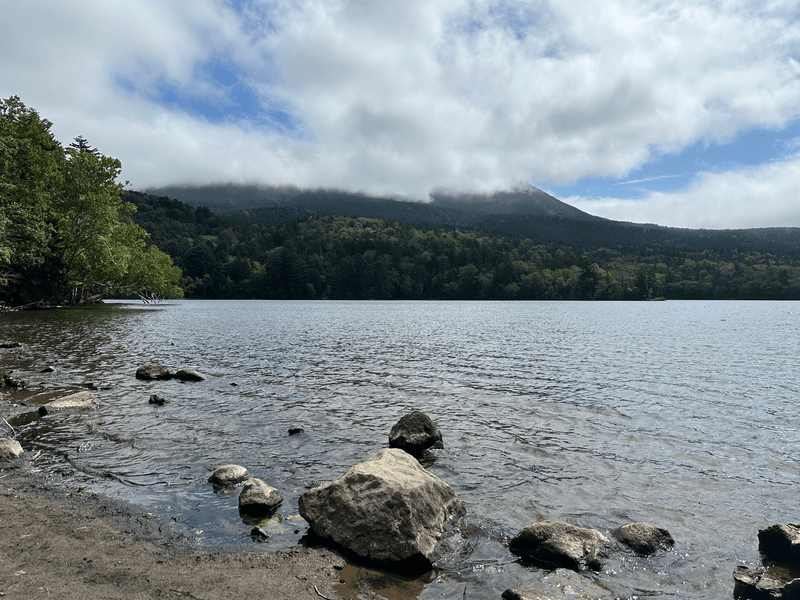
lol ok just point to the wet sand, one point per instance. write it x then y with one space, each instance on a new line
60 542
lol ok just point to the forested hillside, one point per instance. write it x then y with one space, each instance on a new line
341 257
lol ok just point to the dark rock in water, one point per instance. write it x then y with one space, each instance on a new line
10 449
91 385
48 369
781 543
561 583
258 534
644 539
189 375
228 475
414 433
14 382
79 400
297 429
156 399
761 584
559 543
387 509
10 345
153 372
258 497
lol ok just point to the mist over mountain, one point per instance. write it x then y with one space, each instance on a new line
524 213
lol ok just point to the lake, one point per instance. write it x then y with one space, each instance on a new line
680 414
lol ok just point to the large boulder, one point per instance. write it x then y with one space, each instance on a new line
227 475
10 449
562 544
78 400
561 583
762 584
643 538
414 433
781 543
386 509
153 372
258 497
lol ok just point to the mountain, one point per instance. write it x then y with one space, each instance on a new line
523 213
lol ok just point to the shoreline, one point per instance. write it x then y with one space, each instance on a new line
62 542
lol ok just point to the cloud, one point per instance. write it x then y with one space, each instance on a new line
401 97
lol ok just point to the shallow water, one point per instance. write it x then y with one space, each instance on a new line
681 414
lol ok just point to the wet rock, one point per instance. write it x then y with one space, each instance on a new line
189 375
781 543
386 509
296 430
644 539
762 584
561 583
258 534
228 475
258 497
10 449
14 382
560 543
48 369
79 400
153 372
414 433
10 345
156 399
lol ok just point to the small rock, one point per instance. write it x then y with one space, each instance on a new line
258 497
153 372
781 543
189 375
156 399
258 534
414 433
10 345
297 429
14 382
228 475
48 369
560 543
644 539
78 400
561 583
10 449
760 584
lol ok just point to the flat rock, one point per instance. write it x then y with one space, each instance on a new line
153 372
78 400
228 475
414 433
561 583
781 543
560 543
763 584
10 449
387 509
258 497
643 538
188 375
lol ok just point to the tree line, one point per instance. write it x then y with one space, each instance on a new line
340 257
66 236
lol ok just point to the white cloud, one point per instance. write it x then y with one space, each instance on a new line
404 97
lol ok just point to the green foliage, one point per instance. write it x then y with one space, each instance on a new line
65 234
337 257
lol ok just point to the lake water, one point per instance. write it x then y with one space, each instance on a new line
680 414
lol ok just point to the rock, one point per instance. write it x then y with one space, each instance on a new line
151 372
228 475
761 584
10 345
48 369
78 400
644 539
561 583
387 509
414 433
559 543
10 449
297 429
156 399
258 497
189 375
14 382
258 534
781 543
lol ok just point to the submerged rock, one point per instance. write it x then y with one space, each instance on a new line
781 543
560 543
414 433
10 449
153 372
386 509
228 475
644 539
296 430
561 583
761 584
258 497
156 399
78 400
189 375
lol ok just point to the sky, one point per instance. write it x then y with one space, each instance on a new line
684 113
